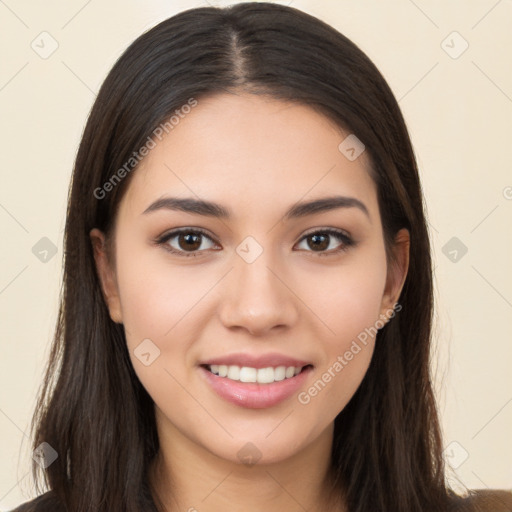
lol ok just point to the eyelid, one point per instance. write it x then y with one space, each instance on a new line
326 229
346 240
165 237
341 234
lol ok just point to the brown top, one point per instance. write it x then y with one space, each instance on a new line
45 503
486 500
479 500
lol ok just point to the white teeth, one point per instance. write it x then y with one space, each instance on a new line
265 375
234 372
280 373
260 375
248 374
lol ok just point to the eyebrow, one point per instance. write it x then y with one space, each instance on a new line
212 209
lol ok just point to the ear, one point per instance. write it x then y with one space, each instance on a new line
106 275
397 272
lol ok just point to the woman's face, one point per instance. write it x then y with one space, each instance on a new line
260 288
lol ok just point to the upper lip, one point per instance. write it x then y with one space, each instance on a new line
256 361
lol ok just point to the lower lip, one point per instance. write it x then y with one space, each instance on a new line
252 394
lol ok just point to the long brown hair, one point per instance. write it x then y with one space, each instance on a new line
92 409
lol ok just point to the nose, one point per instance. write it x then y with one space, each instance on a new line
256 297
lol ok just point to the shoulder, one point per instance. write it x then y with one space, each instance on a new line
486 500
47 502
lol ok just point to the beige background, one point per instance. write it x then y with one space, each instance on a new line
458 110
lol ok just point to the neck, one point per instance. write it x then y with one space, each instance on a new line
187 477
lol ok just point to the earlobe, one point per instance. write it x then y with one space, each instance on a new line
397 272
106 275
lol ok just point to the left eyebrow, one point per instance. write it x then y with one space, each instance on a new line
212 209
325 204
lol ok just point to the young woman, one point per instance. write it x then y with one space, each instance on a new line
245 321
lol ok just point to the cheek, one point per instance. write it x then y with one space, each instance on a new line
156 295
348 299
158 302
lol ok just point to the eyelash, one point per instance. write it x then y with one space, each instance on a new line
347 242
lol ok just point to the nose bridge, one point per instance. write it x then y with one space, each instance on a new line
256 297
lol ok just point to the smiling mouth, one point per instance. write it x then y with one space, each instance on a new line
266 375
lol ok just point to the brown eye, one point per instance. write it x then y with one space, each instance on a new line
183 241
320 241
189 241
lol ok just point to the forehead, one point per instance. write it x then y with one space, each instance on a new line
253 154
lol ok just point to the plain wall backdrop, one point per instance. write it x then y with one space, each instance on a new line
448 64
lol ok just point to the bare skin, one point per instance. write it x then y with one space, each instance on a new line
256 157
